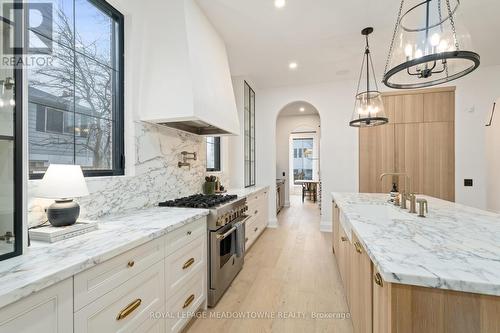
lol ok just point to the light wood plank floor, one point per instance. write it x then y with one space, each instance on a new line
290 269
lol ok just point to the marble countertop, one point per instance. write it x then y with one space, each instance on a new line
247 191
46 264
455 247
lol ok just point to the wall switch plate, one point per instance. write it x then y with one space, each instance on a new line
468 182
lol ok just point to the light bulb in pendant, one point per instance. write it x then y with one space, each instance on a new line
408 51
418 54
12 102
435 39
443 46
2 104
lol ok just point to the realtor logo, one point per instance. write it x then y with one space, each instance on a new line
39 28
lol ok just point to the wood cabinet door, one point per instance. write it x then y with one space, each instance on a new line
376 156
360 288
439 107
336 229
409 149
381 304
439 160
343 259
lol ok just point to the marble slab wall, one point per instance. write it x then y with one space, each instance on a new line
157 176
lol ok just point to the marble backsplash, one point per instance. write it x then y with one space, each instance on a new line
157 176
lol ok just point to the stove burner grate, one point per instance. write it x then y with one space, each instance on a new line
199 201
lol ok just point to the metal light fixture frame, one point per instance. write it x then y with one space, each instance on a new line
368 121
442 57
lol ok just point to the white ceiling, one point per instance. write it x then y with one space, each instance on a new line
293 109
323 36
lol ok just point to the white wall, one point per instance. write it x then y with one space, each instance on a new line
339 150
284 126
339 142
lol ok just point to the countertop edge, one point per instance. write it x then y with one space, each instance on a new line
416 280
31 287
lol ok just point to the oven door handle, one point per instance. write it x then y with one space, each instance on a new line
229 232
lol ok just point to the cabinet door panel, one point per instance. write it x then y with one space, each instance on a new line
360 288
408 108
439 107
381 305
439 160
409 152
376 156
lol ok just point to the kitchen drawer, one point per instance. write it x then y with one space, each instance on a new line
183 263
185 234
155 324
186 302
98 280
252 231
128 306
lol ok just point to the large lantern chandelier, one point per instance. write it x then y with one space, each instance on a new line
428 48
368 107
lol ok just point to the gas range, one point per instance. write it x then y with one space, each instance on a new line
224 209
226 237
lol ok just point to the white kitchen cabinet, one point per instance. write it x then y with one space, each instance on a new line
49 310
126 307
258 210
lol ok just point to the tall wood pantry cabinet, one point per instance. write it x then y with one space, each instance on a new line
419 140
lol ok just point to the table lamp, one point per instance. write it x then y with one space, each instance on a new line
63 183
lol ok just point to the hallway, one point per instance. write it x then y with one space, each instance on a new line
290 271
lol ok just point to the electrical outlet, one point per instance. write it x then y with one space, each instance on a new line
468 182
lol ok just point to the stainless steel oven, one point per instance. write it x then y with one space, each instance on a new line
226 255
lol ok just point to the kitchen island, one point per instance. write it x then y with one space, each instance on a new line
404 273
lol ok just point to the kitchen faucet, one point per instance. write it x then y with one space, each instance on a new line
405 195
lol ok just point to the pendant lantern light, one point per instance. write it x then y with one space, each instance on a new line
428 48
368 107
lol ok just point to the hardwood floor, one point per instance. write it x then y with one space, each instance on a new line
290 271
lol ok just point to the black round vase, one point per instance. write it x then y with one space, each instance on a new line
63 212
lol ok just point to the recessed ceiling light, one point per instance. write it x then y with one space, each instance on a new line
302 109
292 65
279 3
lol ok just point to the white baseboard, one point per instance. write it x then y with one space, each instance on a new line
273 223
325 226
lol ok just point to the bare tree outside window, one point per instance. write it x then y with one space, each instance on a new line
82 82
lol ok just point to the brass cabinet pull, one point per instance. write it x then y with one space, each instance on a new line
246 239
131 263
378 279
343 238
189 233
256 212
188 263
188 302
129 309
255 229
358 247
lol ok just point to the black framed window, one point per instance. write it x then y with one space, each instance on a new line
76 97
249 133
213 153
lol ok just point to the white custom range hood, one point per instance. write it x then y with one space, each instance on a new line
186 82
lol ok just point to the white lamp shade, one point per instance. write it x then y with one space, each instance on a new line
62 181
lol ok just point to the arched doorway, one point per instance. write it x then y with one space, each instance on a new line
298 140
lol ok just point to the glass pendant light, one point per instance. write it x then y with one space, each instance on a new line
368 107
428 47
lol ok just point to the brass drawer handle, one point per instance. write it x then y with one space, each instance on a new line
255 230
131 263
189 232
358 247
343 238
188 263
129 309
188 302
256 212
378 279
